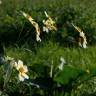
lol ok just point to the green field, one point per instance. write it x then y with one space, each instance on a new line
47 77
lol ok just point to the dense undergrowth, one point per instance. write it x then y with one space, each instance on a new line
77 75
13 24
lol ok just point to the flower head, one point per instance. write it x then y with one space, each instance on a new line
82 38
49 24
22 70
35 24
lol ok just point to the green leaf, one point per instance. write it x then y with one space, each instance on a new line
68 74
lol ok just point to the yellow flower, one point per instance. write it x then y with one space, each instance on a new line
49 24
35 24
22 70
82 39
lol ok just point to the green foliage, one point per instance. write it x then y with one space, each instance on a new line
43 59
67 74
19 29
79 69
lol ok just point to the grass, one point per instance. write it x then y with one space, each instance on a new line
43 59
39 62
74 56
61 11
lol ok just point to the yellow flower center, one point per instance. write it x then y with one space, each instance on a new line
21 70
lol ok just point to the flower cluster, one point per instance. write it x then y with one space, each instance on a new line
49 24
35 24
22 69
82 38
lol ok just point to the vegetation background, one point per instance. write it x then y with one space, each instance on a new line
17 36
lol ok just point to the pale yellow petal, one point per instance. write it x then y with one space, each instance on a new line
38 38
15 65
82 34
25 76
20 64
46 14
24 14
21 78
25 68
45 29
84 45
